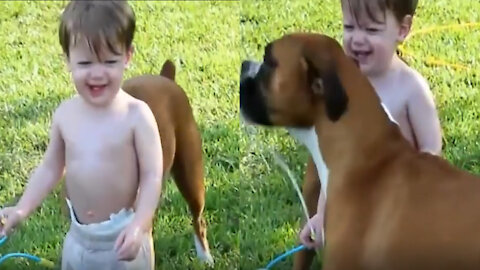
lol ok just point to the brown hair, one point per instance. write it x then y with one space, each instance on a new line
399 8
101 22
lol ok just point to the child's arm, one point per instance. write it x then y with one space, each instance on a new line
315 223
424 119
43 179
150 160
47 175
321 211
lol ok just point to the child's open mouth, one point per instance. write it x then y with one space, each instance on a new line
96 90
362 56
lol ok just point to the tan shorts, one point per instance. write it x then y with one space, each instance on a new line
91 246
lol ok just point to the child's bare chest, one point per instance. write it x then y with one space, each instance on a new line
103 139
394 93
397 106
395 98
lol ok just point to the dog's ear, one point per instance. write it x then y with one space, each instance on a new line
326 83
168 70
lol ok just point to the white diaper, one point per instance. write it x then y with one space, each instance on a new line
113 226
91 246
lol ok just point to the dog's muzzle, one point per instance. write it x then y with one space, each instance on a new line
249 69
252 103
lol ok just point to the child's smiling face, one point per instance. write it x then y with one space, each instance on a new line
97 78
371 36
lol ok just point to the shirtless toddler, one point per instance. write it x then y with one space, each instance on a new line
371 33
106 144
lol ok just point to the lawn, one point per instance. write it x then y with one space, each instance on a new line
252 210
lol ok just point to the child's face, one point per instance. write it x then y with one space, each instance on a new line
372 42
97 80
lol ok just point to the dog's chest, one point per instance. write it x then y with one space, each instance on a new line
309 138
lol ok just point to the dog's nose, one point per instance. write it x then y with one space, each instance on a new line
245 66
249 69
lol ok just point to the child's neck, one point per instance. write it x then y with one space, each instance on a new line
111 106
388 74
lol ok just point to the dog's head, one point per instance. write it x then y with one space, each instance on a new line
297 81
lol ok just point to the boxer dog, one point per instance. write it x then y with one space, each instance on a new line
388 206
181 143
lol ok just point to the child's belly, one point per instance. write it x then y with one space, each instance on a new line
98 186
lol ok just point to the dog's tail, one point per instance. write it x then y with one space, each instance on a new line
168 70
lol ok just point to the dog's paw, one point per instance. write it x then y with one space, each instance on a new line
203 255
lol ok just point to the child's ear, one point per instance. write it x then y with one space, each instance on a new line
67 62
130 52
405 27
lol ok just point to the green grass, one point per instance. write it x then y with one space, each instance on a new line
252 210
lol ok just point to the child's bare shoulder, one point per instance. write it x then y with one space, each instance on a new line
138 108
66 109
415 82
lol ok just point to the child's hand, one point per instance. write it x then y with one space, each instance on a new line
128 243
10 217
315 223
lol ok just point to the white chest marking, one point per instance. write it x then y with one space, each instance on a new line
309 138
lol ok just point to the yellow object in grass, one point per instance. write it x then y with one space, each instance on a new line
46 263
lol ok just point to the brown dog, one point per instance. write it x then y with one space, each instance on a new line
388 206
181 143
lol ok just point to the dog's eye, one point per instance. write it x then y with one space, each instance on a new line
273 63
269 61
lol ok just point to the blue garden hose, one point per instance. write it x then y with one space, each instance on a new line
284 255
41 261
2 240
